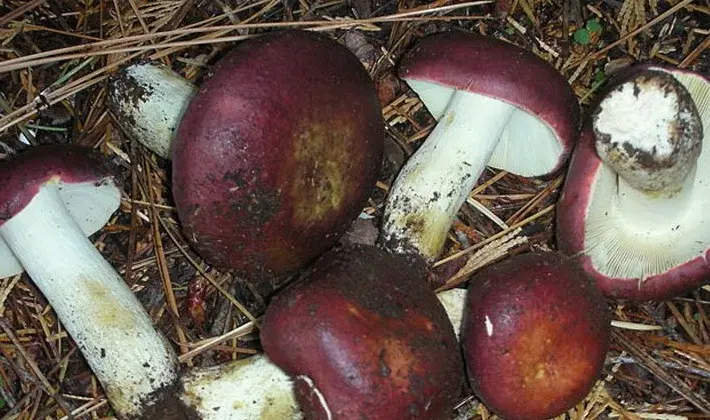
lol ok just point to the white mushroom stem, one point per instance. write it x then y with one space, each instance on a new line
650 132
654 214
111 328
148 101
250 388
437 179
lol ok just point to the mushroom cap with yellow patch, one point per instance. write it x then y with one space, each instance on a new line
276 154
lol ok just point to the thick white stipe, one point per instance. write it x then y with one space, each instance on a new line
437 179
149 101
251 388
108 323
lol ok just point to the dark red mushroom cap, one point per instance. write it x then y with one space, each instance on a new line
24 174
607 241
86 182
276 154
503 71
535 335
364 334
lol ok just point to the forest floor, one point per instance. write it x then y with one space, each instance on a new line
58 55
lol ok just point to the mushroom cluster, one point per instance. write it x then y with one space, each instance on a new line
273 157
535 329
265 180
55 194
551 324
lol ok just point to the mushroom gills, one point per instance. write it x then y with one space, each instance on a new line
631 234
453 301
81 209
102 315
524 135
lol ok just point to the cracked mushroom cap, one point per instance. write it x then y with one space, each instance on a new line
541 133
276 153
364 336
645 243
86 185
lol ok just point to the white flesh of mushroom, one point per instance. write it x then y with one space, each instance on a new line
149 101
251 388
631 234
103 316
472 131
454 302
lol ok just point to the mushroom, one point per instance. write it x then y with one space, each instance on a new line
633 207
255 388
276 154
481 106
148 101
363 336
51 197
535 335
496 105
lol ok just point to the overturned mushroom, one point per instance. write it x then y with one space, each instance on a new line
634 204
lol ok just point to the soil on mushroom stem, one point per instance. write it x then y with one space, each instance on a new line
678 352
